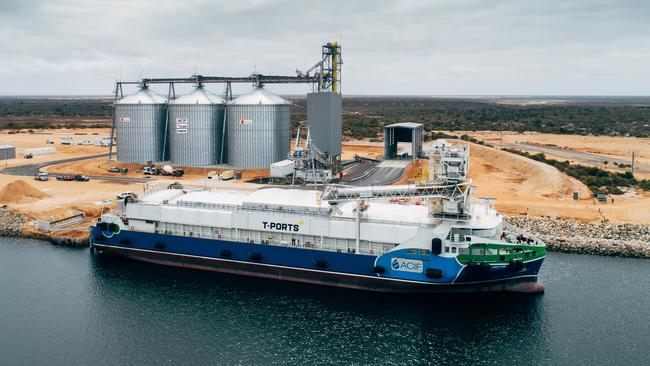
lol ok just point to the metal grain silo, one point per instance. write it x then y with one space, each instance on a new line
140 122
258 130
196 128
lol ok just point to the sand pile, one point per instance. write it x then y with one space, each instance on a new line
496 171
20 192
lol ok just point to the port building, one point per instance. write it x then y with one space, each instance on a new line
7 152
410 133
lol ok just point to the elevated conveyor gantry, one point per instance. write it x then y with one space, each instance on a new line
456 193
336 193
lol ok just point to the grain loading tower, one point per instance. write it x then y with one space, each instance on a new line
196 128
140 123
258 131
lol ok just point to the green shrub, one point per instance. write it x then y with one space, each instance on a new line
598 180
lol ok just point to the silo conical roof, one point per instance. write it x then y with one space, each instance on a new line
259 96
143 96
199 96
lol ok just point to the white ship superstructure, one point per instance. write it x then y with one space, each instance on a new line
301 218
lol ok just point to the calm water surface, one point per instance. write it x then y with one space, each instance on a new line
61 306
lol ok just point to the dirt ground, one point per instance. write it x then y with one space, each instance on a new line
88 197
366 149
518 184
99 166
38 139
606 146
522 185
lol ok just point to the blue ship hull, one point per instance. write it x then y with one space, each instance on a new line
356 271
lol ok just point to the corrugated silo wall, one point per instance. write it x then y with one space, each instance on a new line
257 135
140 132
195 133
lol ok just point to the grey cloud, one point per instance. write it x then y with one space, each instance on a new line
390 47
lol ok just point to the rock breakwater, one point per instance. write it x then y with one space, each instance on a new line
15 224
624 240
11 223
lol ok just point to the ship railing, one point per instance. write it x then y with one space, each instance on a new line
391 222
154 187
236 208
376 249
194 204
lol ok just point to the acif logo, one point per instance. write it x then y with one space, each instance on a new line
395 264
406 265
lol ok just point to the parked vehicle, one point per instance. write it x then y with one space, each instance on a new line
65 177
29 156
124 195
150 170
228 174
168 170
175 185
114 169
42 176
81 178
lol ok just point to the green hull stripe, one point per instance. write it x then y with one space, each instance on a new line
501 253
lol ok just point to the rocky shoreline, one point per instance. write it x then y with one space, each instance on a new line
15 224
621 240
11 223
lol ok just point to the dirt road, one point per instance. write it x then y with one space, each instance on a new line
579 149
522 185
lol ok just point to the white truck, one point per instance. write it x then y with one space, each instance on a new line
150 170
168 170
42 177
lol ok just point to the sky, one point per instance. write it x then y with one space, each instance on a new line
403 47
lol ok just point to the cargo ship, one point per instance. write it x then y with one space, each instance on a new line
420 238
